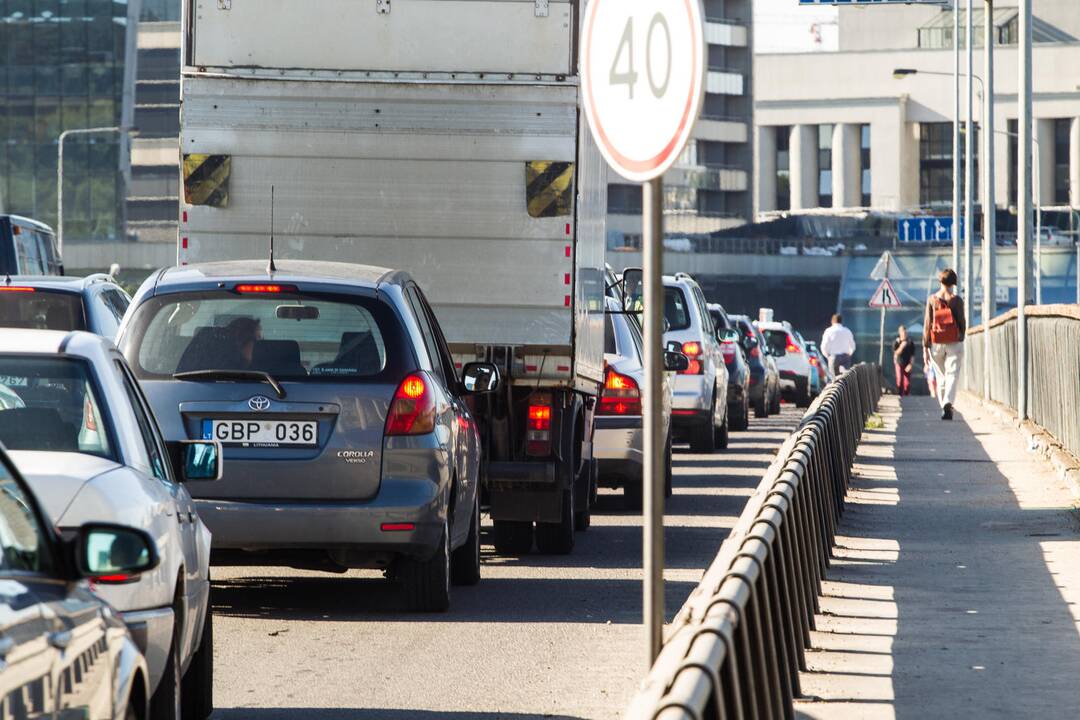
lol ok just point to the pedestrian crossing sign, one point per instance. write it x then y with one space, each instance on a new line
885 296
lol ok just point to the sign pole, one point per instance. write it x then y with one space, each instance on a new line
653 544
881 335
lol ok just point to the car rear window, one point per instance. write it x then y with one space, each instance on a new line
291 336
51 404
676 309
777 339
39 309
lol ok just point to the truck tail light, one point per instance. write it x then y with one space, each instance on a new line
538 432
692 350
412 411
620 396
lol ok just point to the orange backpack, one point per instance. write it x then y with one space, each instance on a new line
944 328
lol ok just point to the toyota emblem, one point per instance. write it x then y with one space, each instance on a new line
259 403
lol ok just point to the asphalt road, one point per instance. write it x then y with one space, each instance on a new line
540 636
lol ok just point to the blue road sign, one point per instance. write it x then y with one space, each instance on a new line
927 228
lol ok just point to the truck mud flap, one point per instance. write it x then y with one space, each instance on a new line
521 475
526 505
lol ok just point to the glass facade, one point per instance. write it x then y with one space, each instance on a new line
783 167
864 163
1062 147
61 68
824 144
935 163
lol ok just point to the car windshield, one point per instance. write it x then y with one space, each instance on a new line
676 311
290 336
23 307
51 404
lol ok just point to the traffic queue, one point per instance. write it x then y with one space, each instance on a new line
302 414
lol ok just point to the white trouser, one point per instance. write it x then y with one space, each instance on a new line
947 359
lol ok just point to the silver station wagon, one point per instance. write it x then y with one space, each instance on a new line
347 439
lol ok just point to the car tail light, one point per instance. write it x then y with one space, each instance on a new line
791 346
813 360
538 434
728 349
397 527
412 411
264 289
16 288
620 396
692 350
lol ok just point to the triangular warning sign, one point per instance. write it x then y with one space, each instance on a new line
885 296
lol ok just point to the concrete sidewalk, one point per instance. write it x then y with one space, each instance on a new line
955 592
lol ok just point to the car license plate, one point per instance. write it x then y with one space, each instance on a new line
266 433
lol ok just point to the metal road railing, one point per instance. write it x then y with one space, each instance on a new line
1054 367
736 647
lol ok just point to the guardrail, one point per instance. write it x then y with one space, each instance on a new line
736 647
1053 367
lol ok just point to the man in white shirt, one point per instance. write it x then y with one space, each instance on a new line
838 344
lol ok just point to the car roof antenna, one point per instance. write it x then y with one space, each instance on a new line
270 266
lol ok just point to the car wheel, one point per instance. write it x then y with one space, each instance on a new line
557 538
776 403
802 397
702 438
197 687
722 435
761 407
512 537
583 513
465 561
427 582
165 704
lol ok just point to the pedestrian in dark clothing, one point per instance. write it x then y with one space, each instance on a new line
903 357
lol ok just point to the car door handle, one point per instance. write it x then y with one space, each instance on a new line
60 639
6 646
191 517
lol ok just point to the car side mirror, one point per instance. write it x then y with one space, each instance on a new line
480 377
197 460
633 287
727 335
114 554
675 361
673 346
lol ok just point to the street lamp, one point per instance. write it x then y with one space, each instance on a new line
60 173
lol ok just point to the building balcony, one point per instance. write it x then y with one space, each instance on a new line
722 81
730 33
708 177
714 129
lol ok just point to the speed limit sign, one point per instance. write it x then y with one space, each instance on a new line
642 80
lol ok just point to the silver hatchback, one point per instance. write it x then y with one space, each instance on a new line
347 436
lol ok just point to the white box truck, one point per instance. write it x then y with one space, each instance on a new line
444 138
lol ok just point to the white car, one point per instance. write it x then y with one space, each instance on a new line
84 438
792 360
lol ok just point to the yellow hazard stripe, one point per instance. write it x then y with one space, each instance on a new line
206 179
549 188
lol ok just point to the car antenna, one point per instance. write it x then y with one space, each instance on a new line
270 266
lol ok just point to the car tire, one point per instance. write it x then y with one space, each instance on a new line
703 437
740 420
512 537
166 702
557 538
776 403
465 561
197 686
427 582
583 513
802 397
722 435
761 407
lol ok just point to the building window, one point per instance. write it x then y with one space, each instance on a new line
864 163
624 199
1061 161
825 137
935 164
783 167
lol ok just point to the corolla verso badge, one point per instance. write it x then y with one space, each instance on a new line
259 403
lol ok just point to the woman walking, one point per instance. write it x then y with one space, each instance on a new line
943 333
903 350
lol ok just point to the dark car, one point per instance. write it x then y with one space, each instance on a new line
28 247
348 441
94 303
734 353
65 652
764 376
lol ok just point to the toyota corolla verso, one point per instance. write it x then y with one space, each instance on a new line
347 439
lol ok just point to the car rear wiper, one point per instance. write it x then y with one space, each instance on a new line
215 374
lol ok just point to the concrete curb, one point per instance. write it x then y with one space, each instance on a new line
1035 437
